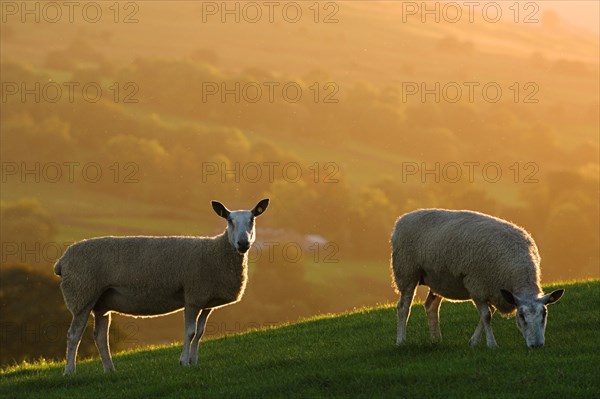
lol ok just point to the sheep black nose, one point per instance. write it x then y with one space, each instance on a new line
243 246
537 346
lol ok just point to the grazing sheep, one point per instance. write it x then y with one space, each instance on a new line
464 255
151 276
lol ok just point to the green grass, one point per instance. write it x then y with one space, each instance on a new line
354 355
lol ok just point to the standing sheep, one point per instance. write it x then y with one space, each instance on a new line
151 276
465 255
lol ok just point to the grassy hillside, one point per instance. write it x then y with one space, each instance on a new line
352 355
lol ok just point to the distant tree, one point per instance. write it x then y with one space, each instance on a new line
372 215
79 54
205 55
570 67
33 316
452 44
34 319
34 139
25 230
8 33
538 60
569 227
550 19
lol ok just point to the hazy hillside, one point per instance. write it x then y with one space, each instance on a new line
395 114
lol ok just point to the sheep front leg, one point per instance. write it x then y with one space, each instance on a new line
403 309
485 323
200 326
190 316
101 328
432 308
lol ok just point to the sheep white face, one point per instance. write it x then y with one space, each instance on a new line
240 230
240 224
531 315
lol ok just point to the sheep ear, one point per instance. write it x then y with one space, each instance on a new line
220 209
509 297
260 207
552 297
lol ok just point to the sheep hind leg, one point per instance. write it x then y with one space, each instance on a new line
432 308
403 310
101 328
200 326
474 341
485 323
190 314
74 334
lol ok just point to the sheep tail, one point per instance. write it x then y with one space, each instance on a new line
58 267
